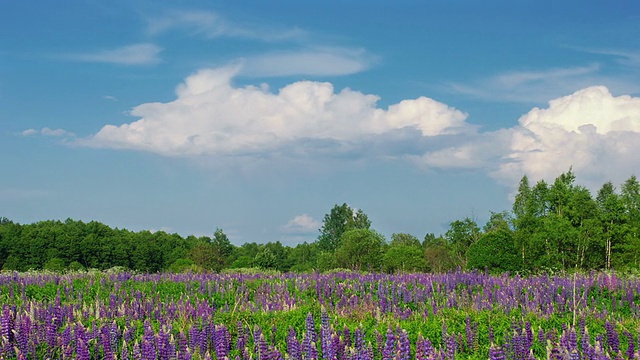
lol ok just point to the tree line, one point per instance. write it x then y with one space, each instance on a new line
555 226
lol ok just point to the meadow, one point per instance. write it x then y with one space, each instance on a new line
337 315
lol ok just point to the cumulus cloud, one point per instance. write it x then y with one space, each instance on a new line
210 116
137 54
302 224
210 24
590 130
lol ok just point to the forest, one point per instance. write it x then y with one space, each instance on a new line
552 227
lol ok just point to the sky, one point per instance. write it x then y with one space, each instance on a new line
258 117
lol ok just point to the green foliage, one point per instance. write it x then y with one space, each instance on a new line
326 261
403 257
360 249
495 251
76 266
555 226
54 264
182 265
437 254
460 236
242 262
266 260
341 219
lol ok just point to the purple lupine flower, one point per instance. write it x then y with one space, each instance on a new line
82 350
424 348
257 334
346 335
541 338
65 337
165 349
182 343
241 342
114 332
328 352
613 340
338 346
468 332
496 353
105 343
528 335
631 344
404 346
311 328
222 345
148 346
136 352
124 351
308 342
389 349
572 339
359 339
263 349
293 345
450 346
574 355
194 337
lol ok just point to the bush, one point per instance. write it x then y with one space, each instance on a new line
182 265
76 266
54 264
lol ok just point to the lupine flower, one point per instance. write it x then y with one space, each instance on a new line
389 346
293 345
82 351
496 353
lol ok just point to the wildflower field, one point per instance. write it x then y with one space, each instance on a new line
341 315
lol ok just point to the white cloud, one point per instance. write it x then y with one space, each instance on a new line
48 132
325 61
590 130
623 56
211 25
477 151
534 87
526 86
56 132
137 54
29 132
302 224
211 117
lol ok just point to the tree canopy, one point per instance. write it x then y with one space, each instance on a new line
552 226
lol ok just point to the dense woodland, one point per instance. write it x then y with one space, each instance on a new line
557 226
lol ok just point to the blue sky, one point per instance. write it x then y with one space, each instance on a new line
257 117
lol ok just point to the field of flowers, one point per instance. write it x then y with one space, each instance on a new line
318 316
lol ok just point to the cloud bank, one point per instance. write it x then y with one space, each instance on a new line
212 117
592 131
